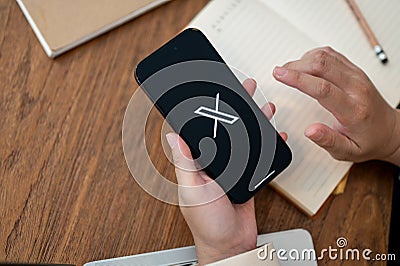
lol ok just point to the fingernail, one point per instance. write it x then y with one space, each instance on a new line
171 139
280 72
314 135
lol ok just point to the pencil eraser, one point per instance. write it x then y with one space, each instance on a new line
382 56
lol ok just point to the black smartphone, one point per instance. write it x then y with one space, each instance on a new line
203 101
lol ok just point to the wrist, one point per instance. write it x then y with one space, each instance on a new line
394 142
207 254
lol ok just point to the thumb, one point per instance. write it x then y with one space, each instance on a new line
186 172
337 144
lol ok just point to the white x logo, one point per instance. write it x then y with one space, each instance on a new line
216 115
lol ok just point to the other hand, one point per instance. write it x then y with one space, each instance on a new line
367 127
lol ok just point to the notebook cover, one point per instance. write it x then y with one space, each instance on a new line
61 25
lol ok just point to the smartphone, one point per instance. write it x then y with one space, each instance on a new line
204 102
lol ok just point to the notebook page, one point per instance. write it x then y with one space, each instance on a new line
253 38
331 22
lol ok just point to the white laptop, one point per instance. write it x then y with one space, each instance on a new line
298 239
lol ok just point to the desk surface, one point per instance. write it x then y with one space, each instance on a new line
66 194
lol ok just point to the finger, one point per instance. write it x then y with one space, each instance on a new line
195 187
186 172
334 53
284 136
269 110
250 85
323 64
337 144
327 94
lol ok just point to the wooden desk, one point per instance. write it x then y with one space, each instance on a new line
66 194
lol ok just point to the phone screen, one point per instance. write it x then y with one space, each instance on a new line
204 102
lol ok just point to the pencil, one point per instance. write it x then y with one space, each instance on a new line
368 32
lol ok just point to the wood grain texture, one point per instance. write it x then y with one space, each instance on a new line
66 195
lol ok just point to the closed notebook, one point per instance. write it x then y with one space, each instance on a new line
61 25
256 35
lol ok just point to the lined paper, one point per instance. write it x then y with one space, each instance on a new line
254 36
331 22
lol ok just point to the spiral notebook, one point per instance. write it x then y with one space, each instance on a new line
256 35
61 25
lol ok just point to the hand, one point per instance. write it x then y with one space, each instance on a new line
366 128
220 229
